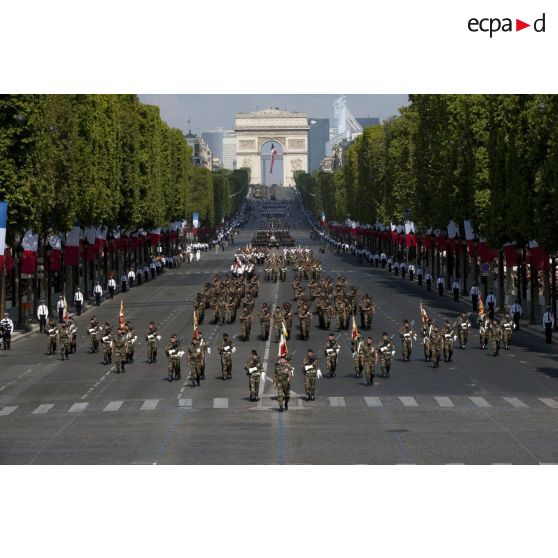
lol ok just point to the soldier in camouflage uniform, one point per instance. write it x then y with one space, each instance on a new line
282 376
449 337
206 350
407 335
173 352
64 341
427 340
254 371
437 345
151 338
72 330
226 349
386 350
495 336
131 339
366 310
106 340
195 361
119 344
369 359
357 354
52 332
265 319
288 317
277 326
304 316
506 326
245 323
463 324
310 371
331 350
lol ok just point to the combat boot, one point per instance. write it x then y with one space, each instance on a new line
280 408
286 404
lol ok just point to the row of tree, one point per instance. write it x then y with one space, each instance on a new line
103 160
491 159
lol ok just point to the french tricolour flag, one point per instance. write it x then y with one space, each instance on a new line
30 244
3 226
273 156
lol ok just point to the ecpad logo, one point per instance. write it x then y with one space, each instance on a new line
493 25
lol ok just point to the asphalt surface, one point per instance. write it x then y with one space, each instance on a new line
479 409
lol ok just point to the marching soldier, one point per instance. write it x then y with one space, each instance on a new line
310 370
226 349
282 376
245 323
437 345
331 350
484 326
52 332
106 340
93 333
194 361
72 330
277 324
265 319
449 338
463 325
206 350
304 316
119 344
495 336
369 359
506 325
151 338
254 371
64 341
427 340
386 350
174 352
366 310
288 317
407 336
357 348
131 339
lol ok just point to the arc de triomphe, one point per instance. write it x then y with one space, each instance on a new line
288 131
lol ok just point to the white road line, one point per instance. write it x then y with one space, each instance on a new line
5 411
149 405
454 463
500 464
515 402
185 403
543 463
409 401
336 401
444 402
42 409
266 351
77 407
373 401
480 401
549 402
221 403
113 406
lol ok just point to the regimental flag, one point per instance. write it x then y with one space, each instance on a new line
354 333
282 346
423 314
121 315
196 330
3 227
273 156
65 314
284 331
481 306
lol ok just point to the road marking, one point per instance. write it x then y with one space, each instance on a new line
112 369
113 406
336 401
5 411
444 402
454 463
515 402
409 401
42 409
549 402
500 464
185 403
543 463
77 407
221 403
261 388
373 401
480 401
149 405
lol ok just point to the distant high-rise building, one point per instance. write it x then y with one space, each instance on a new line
214 139
229 150
318 136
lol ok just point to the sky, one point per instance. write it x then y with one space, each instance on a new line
208 112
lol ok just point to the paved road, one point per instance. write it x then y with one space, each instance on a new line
479 409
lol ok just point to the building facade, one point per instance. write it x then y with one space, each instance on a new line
318 136
201 154
229 150
214 140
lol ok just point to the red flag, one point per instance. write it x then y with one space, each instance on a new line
423 314
354 333
29 257
510 253
282 346
273 156
121 316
